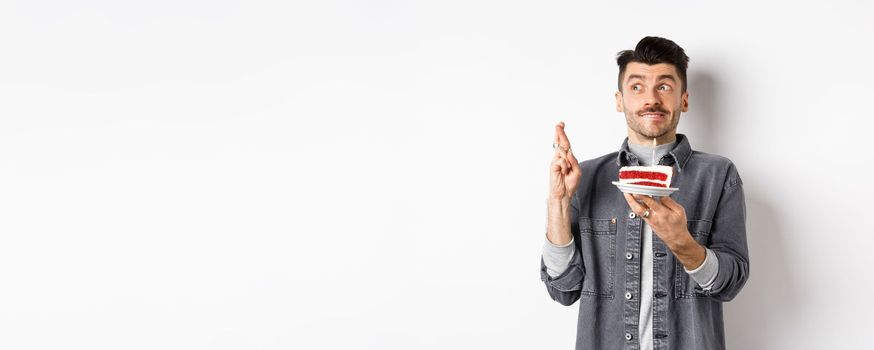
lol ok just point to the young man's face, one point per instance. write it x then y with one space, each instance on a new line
652 100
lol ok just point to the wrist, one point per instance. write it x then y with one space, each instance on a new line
558 230
690 253
563 203
682 241
558 212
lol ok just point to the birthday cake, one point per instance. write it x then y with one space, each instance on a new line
652 176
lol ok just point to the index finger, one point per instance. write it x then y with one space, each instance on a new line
672 204
650 202
635 206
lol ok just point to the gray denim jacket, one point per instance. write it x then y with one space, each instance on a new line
604 274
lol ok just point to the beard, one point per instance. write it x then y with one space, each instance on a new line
647 129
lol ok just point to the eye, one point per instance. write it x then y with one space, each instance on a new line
665 87
635 87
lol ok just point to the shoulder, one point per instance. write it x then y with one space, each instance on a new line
604 168
717 164
600 162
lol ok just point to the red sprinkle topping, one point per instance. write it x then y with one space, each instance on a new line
637 174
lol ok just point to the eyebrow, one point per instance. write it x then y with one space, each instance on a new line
661 77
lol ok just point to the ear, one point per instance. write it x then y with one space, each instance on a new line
685 101
619 102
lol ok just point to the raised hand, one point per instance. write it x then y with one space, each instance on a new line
564 176
565 169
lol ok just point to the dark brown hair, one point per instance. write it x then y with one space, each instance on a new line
654 50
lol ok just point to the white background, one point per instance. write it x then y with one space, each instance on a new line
372 175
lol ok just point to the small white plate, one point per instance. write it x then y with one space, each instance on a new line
647 190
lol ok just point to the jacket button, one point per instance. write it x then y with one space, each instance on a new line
628 295
632 215
613 220
628 256
627 336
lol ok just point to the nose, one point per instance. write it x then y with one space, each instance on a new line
652 98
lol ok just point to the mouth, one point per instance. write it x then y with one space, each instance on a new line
653 116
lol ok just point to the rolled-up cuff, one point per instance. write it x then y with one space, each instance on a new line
557 258
705 274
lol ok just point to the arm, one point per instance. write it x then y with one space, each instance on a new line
563 283
729 241
561 222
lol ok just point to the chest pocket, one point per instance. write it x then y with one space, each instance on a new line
684 285
598 248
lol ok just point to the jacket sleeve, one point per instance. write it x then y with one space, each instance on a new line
565 288
728 239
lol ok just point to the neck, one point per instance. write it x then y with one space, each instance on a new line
647 155
668 137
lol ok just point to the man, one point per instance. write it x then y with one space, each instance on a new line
649 273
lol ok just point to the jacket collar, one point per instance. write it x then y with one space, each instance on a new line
679 155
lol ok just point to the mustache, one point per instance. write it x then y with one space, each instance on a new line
652 110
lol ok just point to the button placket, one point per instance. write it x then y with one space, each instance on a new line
631 308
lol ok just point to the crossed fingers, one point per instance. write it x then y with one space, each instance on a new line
562 146
561 142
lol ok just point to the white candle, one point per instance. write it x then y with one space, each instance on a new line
653 151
